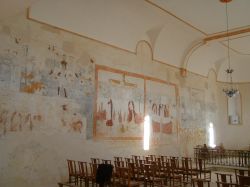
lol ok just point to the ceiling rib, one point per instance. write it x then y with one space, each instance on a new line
224 35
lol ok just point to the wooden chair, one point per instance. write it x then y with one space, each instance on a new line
171 178
116 158
174 162
84 176
139 169
187 171
200 182
150 176
136 158
132 170
152 157
164 158
243 172
93 171
73 172
128 160
95 161
224 180
148 159
106 161
200 167
118 164
124 178
243 181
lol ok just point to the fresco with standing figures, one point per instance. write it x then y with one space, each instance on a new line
162 107
123 97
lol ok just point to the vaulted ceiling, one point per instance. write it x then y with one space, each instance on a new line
189 34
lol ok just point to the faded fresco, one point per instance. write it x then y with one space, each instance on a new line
193 118
120 106
162 108
192 105
54 91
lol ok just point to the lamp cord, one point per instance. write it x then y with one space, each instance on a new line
229 71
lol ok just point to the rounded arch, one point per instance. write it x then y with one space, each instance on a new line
190 50
144 48
212 72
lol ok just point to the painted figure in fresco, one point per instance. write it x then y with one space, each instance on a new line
61 87
16 121
131 112
3 121
154 108
166 111
109 121
160 109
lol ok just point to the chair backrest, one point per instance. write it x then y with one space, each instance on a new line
95 160
200 164
128 160
174 162
132 169
149 172
119 163
152 157
147 159
223 177
135 158
167 170
243 180
72 167
93 169
200 182
164 158
243 172
159 162
124 176
83 168
186 163
116 158
106 161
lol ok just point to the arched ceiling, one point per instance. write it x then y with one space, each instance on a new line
187 34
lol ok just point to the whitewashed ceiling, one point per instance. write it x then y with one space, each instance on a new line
175 29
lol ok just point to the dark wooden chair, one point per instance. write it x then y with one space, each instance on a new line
116 158
200 182
200 167
128 160
224 180
84 175
187 170
243 172
93 171
124 178
106 161
73 172
117 164
95 160
171 177
243 181
175 164
150 175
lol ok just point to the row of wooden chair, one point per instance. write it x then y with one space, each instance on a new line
242 178
152 170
